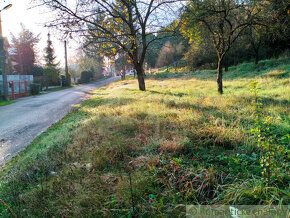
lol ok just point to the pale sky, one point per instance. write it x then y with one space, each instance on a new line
34 20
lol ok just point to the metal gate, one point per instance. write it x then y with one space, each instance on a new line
17 89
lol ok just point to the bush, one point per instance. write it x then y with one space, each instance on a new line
37 71
86 76
42 80
68 79
52 74
34 88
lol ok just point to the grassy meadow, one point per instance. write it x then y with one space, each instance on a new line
126 153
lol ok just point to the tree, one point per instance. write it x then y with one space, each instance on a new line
74 73
122 64
169 53
277 19
166 55
37 70
23 47
49 56
51 72
89 62
221 21
201 54
52 75
86 76
177 41
255 35
115 25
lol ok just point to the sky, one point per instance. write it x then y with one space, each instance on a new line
33 19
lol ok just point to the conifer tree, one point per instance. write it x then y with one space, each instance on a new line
49 56
24 54
51 71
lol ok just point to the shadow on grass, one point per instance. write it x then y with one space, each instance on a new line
111 102
214 111
269 101
168 93
232 114
190 106
241 71
33 176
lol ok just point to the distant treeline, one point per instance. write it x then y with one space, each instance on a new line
260 31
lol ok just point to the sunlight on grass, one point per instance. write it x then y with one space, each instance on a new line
177 143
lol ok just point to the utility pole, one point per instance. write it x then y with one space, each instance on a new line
67 77
3 62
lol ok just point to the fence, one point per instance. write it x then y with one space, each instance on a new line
18 85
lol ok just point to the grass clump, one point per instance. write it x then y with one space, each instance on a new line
128 153
3 103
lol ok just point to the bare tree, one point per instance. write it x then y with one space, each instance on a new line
115 24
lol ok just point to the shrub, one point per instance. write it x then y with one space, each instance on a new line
68 79
52 74
42 80
34 88
86 76
37 70
273 153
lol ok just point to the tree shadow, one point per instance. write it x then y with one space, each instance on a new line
210 110
232 114
166 75
180 94
269 101
241 71
111 102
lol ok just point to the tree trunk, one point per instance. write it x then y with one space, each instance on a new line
220 76
123 74
256 50
226 66
257 57
141 79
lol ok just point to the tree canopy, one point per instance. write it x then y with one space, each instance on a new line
49 56
116 25
23 47
220 21
132 28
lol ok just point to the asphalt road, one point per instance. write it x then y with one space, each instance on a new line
22 121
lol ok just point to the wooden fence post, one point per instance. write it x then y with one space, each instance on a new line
25 86
12 89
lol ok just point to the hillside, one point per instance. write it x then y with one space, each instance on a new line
125 152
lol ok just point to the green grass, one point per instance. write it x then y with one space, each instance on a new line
59 88
74 85
125 152
3 103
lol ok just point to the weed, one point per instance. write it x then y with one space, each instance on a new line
266 139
